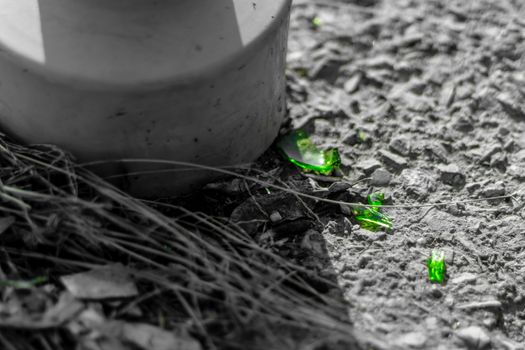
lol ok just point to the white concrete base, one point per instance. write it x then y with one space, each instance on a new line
147 80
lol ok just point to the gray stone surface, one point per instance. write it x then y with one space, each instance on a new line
380 177
393 161
451 174
474 337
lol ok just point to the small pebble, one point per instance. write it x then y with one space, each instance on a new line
399 145
395 162
464 278
380 177
494 190
436 292
414 340
275 216
352 84
368 166
474 337
451 175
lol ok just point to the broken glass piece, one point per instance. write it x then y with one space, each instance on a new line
376 199
361 136
371 219
436 266
301 151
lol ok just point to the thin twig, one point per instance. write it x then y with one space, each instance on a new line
267 184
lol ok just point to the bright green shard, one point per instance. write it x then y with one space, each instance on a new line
376 199
316 22
301 151
436 266
361 136
371 219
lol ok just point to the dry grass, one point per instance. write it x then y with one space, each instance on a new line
195 272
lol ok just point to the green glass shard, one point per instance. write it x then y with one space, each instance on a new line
301 151
436 266
361 136
371 219
316 22
376 199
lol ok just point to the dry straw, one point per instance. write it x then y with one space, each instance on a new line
196 270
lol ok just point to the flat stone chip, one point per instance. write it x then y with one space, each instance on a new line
112 281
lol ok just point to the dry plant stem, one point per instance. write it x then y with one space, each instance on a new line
212 254
68 262
6 344
267 184
228 231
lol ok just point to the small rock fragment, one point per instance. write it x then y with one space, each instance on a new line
463 124
488 304
368 165
380 61
516 171
451 175
353 138
464 91
503 131
473 187
438 151
339 186
520 156
393 161
510 105
352 84
494 190
447 94
275 216
399 145
380 112
112 281
417 183
418 104
464 278
491 150
380 177
499 161
474 337
327 69
414 340
148 337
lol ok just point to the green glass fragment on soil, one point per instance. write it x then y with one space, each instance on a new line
371 219
301 151
436 266
361 136
376 199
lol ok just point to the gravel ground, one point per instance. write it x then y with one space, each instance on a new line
424 99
